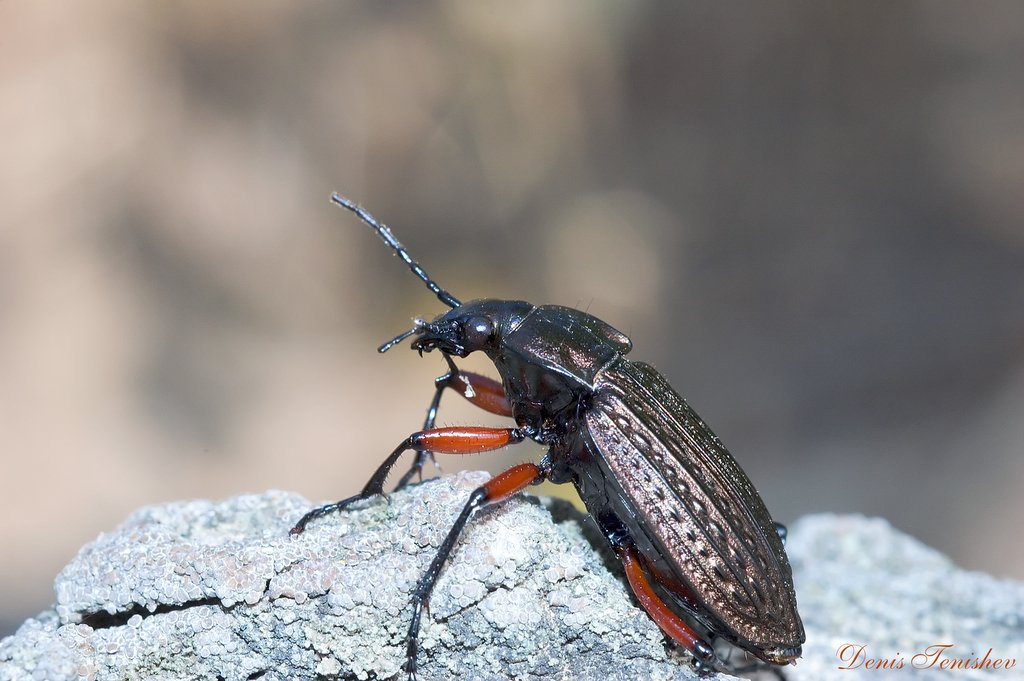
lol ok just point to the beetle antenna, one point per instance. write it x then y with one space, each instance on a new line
398 339
389 238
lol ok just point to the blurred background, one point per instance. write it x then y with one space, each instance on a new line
809 217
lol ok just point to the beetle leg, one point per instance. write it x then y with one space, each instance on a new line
481 391
453 440
683 593
422 455
669 622
498 488
484 392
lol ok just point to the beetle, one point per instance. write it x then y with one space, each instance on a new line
700 551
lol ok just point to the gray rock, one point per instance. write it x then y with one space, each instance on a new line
202 590
867 590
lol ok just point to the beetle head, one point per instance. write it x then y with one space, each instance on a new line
467 327
470 327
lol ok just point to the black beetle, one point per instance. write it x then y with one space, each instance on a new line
691 531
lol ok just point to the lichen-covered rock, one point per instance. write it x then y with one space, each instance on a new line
203 590
878 604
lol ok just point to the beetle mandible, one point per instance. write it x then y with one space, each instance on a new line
692 533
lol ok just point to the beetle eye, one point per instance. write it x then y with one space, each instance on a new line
479 331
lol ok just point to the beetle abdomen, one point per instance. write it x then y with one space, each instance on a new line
701 514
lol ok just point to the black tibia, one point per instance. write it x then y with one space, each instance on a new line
466 440
372 488
496 489
422 455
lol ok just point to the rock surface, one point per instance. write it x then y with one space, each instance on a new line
866 590
202 590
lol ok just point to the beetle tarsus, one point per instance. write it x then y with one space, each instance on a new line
412 643
321 511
